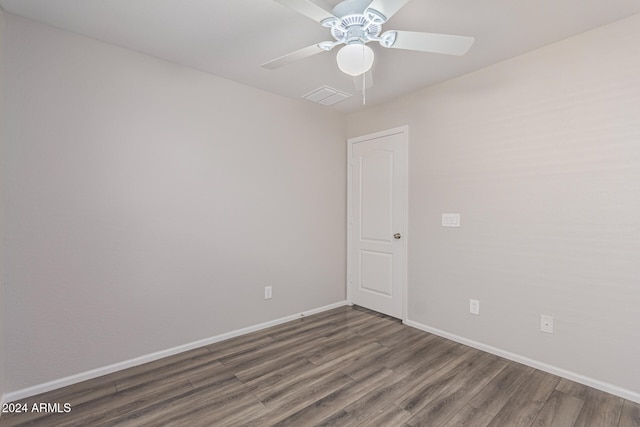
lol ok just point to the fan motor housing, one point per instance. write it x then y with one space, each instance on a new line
355 21
355 26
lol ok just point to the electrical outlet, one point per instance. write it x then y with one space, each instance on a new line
546 323
474 306
267 292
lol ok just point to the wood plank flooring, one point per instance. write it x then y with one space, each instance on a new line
344 367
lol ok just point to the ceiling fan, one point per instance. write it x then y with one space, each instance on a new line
354 23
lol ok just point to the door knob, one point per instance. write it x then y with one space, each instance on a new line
397 236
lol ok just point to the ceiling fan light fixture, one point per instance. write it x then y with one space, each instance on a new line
355 59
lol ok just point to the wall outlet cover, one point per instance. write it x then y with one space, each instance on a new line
474 306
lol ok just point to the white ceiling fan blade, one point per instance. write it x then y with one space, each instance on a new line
429 42
308 9
388 7
293 57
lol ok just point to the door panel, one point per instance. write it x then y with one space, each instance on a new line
376 272
377 211
376 194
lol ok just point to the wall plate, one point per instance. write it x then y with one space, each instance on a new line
451 220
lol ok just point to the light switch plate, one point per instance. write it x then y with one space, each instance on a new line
451 220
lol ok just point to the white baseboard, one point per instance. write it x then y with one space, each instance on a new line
600 385
94 373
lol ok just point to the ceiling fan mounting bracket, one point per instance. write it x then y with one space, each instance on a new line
328 45
330 22
388 38
375 17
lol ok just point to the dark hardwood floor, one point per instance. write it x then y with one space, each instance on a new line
344 367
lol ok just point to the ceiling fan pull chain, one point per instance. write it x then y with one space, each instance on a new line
364 81
364 89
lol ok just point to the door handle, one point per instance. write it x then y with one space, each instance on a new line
397 236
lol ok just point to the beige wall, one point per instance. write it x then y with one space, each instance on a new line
149 205
540 155
2 346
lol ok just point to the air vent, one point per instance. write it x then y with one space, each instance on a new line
326 95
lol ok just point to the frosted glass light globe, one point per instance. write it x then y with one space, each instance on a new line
355 59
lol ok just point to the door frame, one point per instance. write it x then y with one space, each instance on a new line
404 196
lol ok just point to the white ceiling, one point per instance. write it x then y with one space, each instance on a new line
231 38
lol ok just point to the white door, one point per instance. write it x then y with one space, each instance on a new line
378 196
